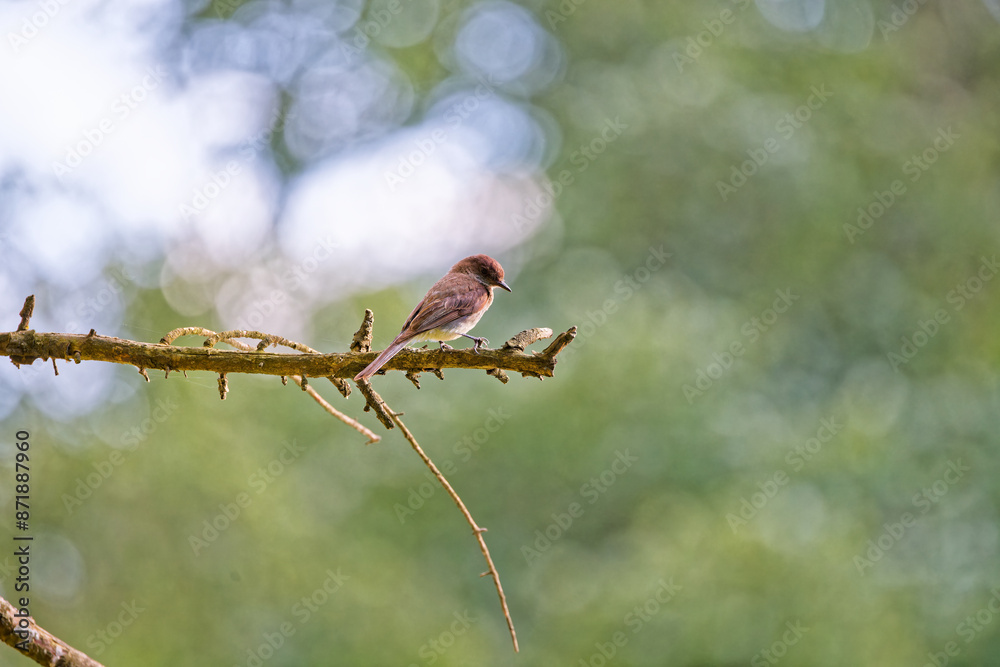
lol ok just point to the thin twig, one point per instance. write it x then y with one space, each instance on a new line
357 426
525 338
477 531
171 336
561 341
37 643
227 337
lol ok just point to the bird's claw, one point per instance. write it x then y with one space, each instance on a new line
445 346
480 342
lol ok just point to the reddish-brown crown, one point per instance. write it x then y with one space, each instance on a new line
483 267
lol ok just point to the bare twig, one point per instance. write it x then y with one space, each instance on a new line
227 337
363 337
26 312
353 423
498 374
375 403
36 642
557 346
476 529
415 378
362 343
525 338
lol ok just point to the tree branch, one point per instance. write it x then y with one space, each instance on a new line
36 642
24 347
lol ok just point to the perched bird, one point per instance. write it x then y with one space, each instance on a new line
451 307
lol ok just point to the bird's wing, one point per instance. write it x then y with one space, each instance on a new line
464 297
449 299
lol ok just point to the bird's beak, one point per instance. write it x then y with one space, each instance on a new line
505 286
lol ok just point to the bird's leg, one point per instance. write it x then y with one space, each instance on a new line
480 342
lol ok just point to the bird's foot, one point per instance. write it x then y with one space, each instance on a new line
445 346
480 342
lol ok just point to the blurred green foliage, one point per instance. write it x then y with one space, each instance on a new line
794 492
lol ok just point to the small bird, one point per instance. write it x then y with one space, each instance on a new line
451 307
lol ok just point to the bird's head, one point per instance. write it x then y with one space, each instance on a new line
483 268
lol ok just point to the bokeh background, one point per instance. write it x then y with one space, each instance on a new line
774 222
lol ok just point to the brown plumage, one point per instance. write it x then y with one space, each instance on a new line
451 307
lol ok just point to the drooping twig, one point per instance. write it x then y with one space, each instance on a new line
353 423
36 642
375 403
476 529
211 337
389 417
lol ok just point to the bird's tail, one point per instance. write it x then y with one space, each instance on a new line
382 359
